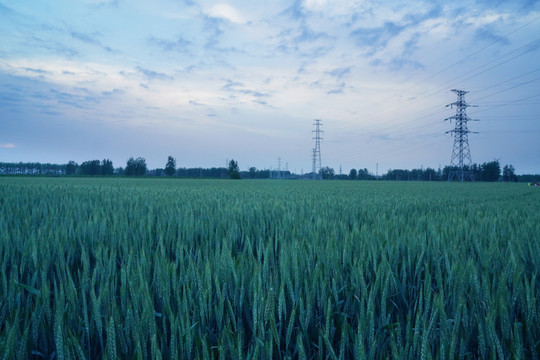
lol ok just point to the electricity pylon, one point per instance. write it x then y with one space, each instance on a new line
461 162
317 150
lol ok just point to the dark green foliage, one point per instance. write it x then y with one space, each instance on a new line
135 167
327 173
490 171
353 174
363 174
528 178
107 167
234 170
170 168
397 174
427 174
71 168
216 173
430 174
90 167
509 174
252 172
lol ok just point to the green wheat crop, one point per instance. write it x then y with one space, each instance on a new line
184 269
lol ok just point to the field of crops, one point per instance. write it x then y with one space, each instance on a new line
184 269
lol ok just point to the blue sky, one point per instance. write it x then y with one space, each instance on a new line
209 81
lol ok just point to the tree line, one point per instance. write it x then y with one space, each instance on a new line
487 171
134 167
33 168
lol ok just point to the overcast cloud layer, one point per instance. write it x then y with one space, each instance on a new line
209 81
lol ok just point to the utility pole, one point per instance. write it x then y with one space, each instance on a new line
317 149
461 162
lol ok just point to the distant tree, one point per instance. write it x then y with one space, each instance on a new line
430 175
490 171
363 174
234 170
398 174
416 174
170 168
157 172
353 174
71 168
263 174
252 172
327 173
130 167
529 178
107 167
136 167
446 171
90 167
201 172
509 174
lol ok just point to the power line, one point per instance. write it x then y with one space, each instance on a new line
412 125
507 80
512 132
477 51
497 40
438 89
510 88
514 117
521 101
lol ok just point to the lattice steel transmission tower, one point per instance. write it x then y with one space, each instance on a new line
461 162
317 150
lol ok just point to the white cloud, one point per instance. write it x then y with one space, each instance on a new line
7 145
489 17
337 8
227 12
315 4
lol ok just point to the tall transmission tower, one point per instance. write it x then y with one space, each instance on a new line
461 154
317 149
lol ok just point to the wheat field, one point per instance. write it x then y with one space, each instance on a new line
217 269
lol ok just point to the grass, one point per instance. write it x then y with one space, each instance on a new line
182 269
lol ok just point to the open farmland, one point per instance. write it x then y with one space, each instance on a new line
182 269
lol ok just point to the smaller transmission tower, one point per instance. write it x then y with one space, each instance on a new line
317 150
461 154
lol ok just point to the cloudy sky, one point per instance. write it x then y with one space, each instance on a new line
214 80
